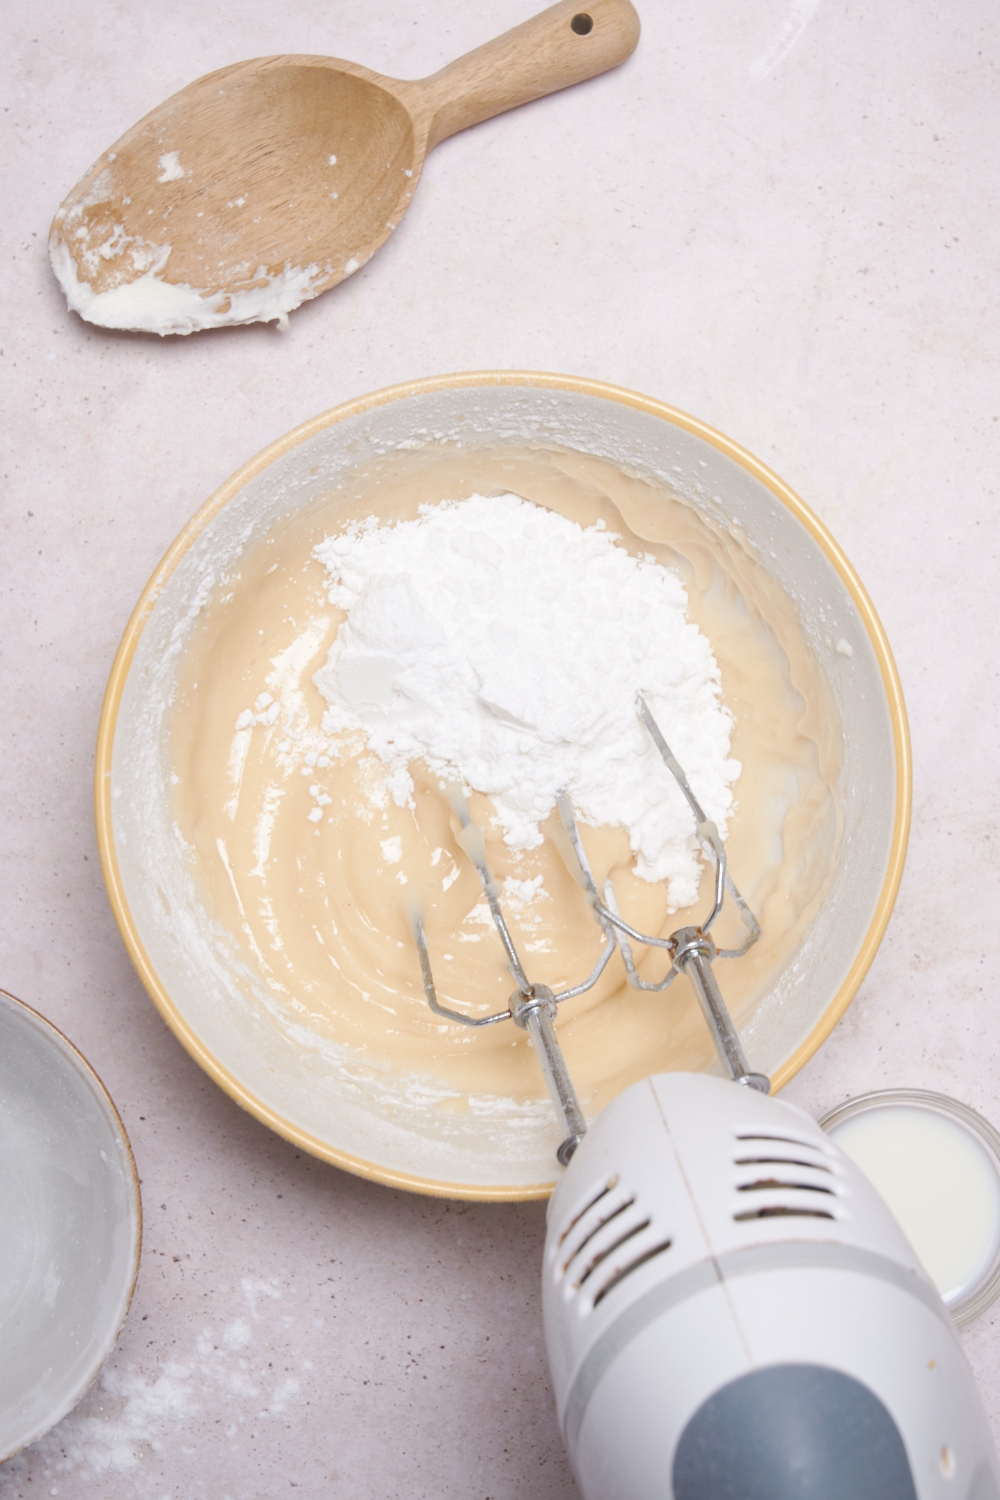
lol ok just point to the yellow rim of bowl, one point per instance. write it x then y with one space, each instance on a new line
123 660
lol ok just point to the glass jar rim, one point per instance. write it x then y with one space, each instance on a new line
985 1290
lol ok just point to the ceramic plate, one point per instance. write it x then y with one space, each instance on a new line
70 1225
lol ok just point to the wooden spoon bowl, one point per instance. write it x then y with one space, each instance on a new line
265 183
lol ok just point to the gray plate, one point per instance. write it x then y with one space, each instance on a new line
70 1225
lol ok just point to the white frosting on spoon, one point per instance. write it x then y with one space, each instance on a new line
149 304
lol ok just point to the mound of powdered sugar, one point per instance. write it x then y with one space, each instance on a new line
503 646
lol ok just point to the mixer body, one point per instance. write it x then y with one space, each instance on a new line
733 1313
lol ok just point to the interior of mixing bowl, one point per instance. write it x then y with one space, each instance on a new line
338 1105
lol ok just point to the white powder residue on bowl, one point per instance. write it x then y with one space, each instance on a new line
503 646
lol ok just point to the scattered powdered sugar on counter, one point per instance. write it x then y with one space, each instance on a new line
133 1419
503 645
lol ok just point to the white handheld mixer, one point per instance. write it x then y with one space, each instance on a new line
731 1310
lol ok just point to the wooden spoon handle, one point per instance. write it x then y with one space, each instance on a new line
567 43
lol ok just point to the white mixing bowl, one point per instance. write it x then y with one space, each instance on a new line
282 1075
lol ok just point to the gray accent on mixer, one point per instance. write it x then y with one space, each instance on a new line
785 1255
790 1254
789 1432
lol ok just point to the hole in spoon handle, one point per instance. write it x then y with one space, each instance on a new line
561 46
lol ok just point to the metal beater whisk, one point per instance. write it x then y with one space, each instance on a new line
691 951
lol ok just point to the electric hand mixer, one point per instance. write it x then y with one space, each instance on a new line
731 1310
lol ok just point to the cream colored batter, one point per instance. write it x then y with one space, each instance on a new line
320 909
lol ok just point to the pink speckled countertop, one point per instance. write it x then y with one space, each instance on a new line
782 218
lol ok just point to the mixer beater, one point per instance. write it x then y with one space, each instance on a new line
691 950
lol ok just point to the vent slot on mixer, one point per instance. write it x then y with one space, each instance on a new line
764 1183
752 1137
605 1240
633 1265
606 1218
599 1213
783 1211
793 1169
591 1203
601 1255
780 1161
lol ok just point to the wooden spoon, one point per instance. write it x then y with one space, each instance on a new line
261 185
